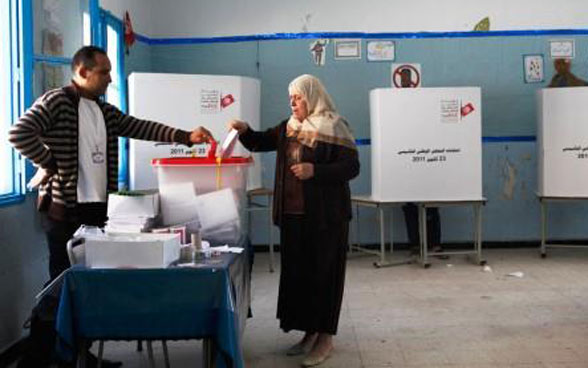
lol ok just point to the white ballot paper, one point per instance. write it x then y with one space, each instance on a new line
229 144
217 209
178 203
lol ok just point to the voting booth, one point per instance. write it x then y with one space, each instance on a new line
426 144
562 142
186 101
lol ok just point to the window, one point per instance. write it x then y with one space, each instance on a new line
38 38
112 40
113 94
9 185
60 29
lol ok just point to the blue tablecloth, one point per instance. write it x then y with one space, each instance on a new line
173 303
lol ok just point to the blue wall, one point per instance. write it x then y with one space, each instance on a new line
23 266
495 63
138 59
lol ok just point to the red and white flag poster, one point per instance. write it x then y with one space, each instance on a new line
227 100
467 109
129 33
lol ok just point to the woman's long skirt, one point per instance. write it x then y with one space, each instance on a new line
312 275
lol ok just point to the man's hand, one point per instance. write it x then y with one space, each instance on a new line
303 171
200 135
41 177
240 126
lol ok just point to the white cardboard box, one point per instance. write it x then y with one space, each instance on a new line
143 250
562 142
146 205
426 144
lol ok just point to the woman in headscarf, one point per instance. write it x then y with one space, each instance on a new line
316 158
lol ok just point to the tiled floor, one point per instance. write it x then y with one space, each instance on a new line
453 314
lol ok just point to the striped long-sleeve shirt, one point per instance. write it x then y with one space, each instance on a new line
47 134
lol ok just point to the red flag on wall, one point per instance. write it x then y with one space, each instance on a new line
129 34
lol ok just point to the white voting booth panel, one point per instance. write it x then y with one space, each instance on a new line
426 144
562 142
187 101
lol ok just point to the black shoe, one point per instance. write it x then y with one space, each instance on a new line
439 250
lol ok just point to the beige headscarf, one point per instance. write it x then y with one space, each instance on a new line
322 124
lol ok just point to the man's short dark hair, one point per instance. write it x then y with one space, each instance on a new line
86 56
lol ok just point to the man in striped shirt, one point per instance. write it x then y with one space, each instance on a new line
72 137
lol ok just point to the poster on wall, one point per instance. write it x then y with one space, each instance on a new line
562 49
533 67
406 75
318 50
381 51
347 49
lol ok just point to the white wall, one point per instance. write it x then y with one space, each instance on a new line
190 18
141 12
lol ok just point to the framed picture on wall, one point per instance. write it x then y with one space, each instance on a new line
533 68
562 49
381 51
347 49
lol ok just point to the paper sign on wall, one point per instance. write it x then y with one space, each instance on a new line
562 49
209 101
380 51
450 110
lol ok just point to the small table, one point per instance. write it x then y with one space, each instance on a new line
543 200
208 302
477 207
381 206
267 207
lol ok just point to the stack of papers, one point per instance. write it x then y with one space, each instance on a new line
132 212
129 224
227 249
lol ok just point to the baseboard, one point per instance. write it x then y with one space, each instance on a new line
261 248
12 353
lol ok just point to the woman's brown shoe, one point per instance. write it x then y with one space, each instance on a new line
312 360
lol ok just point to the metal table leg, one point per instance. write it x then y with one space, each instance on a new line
478 233
422 210
382 261
165 353
208 353
150 354
100 353
391 226
83 356
543 228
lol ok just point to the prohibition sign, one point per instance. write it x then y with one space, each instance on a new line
398 71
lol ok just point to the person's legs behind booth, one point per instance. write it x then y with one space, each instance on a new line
411 218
